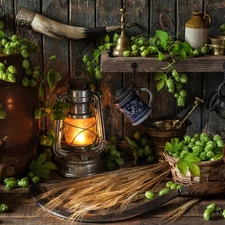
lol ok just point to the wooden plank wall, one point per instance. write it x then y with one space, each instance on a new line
149 15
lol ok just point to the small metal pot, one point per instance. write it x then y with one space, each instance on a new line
217 44
161 131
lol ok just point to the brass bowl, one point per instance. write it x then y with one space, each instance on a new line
218 45
160 131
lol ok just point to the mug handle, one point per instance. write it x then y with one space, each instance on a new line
209 18
150 95
220 86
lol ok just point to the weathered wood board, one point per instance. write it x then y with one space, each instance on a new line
148 16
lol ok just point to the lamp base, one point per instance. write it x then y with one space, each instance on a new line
73 167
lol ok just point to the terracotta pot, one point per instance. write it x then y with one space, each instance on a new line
20 126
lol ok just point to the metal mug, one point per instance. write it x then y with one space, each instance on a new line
132 106
217 102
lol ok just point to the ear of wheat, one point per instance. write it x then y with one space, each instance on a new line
107 190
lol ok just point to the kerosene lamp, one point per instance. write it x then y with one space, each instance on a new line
81 135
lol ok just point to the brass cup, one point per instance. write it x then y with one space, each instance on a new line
218 45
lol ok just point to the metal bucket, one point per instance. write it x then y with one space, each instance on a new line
160 131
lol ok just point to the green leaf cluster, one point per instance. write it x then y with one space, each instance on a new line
57 110
33 76
187 161
141 147
41 167
49 139
91 62
194 149
111 156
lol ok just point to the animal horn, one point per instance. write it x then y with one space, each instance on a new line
54 29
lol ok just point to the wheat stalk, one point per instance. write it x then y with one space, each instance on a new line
107 190
174 215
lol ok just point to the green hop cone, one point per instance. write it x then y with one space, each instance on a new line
14 38
144 141
9 179
2 66
52 57
33 82
169 183
85 59
12 69
222 29
36 74
223 214
36 179
119 161
137 135
183 78
212 206
208 213
164 191
25 53
11 185
183 93
25 63
216 137
140 152
98 74
145 53
28 71
127 53
147 150
4 42
181 101
11 78
2 25
151 159
2 114
149 195
57 76
134 47
196 52
30 175
170 84
23 183
3 208
204 50
173 186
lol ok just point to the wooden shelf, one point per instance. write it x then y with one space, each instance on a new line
207 63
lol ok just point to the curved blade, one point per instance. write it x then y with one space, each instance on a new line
133 210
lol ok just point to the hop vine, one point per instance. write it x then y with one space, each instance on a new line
162 45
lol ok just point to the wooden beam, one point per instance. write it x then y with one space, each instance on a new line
206 63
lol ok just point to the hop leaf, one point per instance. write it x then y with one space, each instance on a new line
42 168
163 36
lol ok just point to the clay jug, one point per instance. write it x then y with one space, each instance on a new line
19 125
197 29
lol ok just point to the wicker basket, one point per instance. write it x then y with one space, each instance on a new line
209 170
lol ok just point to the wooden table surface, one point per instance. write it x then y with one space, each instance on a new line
23 210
